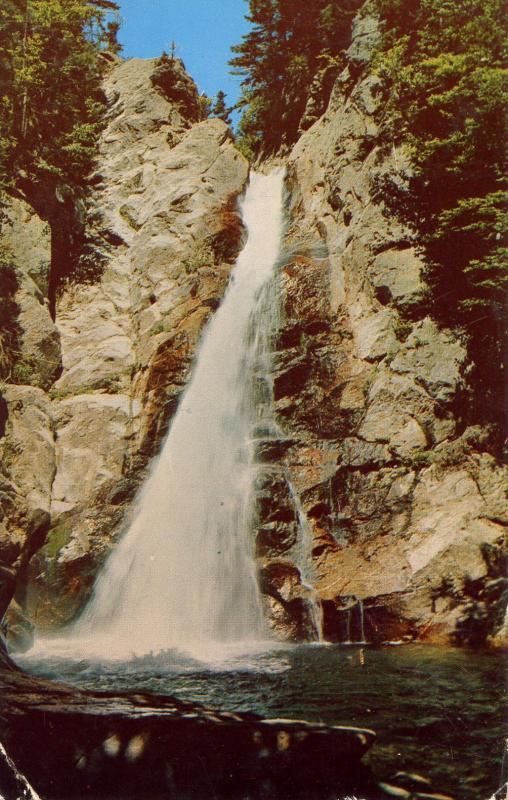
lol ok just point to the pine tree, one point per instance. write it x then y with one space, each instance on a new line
50 90
52 109
445 70
278 60
219 108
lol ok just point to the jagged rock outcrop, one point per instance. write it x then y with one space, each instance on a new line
29 240
102 381
408 512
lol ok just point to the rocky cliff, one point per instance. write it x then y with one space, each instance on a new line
378 496
97 387
408 511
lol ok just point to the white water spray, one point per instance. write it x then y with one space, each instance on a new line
184 574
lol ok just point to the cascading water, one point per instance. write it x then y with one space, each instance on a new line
184 574
356 608
303 560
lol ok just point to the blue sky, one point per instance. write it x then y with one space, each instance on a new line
203 30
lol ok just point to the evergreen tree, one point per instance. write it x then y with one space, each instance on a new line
278 60
52 111
50 94
445 73
219 108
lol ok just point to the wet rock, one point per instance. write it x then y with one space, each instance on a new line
289 603
409 510
9 549
272 450
273 500
275 538
7 587
282 580
391 790
411 780
140 743
19 630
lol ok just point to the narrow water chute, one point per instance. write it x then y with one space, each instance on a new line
184 572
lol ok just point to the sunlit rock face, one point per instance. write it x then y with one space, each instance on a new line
106 376
407 512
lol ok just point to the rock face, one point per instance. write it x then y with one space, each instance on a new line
105 377
29 240
376 509
407 512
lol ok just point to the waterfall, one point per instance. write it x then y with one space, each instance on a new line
183 574
362 622
303 560
356 605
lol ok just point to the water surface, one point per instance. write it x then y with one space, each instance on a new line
436 711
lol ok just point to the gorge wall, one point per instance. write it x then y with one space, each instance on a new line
102 381
408 512
377 492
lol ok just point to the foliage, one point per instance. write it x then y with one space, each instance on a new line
176 86
23 373
445 75
219 108
50 75
278 60
202 255
52 111
205 105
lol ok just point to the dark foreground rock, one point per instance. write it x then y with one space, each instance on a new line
72 744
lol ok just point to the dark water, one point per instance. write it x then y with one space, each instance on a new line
436 711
